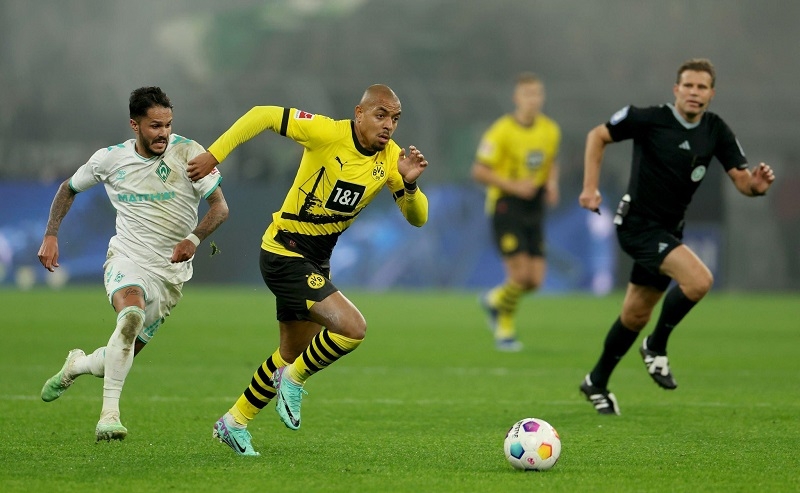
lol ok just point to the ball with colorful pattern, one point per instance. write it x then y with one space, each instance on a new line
532 444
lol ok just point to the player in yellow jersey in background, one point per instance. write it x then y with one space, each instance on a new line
344 165
516 161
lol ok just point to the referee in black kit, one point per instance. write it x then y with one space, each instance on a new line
673 145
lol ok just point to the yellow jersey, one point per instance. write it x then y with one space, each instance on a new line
336 179
518 152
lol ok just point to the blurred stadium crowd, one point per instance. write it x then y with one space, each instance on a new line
66 69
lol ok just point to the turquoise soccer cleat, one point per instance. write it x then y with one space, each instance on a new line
61 381
289 396
236 438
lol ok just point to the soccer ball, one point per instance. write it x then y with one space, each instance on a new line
532 444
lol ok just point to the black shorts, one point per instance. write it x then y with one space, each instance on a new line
518 226
648 243
295 282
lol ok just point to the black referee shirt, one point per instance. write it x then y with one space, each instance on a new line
671 157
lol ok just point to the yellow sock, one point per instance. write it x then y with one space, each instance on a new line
260 391
325 348
506 299
505 326
242 411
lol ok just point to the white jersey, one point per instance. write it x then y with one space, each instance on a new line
156 202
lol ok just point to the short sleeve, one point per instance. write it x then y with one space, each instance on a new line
88 175
728 150
625 123
490 147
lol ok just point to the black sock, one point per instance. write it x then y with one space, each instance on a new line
676 306
618 341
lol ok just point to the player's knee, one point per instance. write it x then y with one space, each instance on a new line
635 320
526 282
700 286
708 282
358 328
353 326
130 322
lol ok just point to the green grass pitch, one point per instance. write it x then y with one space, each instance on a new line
422 406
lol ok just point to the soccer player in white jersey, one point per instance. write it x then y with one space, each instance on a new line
150 256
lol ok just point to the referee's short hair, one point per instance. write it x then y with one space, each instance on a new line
698 65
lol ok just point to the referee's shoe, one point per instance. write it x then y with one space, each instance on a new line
658 367
603 401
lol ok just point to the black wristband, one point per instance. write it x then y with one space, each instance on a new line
409 186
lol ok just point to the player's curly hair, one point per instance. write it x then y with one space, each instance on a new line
144 98
698 65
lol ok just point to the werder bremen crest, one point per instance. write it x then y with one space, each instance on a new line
163 171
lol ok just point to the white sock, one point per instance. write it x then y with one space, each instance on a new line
119 357
230 421
93 363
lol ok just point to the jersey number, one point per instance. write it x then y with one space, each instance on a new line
345 196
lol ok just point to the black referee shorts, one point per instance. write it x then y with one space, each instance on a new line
296 283
648 243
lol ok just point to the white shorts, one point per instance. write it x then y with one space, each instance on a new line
160 296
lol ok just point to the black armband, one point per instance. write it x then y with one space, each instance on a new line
411 187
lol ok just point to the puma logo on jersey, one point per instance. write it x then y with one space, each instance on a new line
685 146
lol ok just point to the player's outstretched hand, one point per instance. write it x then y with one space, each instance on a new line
201 165
412 165
762 178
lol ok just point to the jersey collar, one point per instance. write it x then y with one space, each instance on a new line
358 145
681 119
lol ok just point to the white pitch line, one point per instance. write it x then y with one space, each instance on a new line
577 402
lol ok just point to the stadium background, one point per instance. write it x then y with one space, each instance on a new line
67 68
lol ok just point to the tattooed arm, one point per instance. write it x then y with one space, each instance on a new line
217 213
48 252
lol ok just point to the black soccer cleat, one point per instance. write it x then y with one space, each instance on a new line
603 401
658 367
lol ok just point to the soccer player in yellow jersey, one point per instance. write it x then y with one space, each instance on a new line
344 165
516 161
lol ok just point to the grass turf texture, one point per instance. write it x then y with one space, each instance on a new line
422 405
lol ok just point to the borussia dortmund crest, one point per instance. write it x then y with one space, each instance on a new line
508 243
378 172
163 171
315 281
